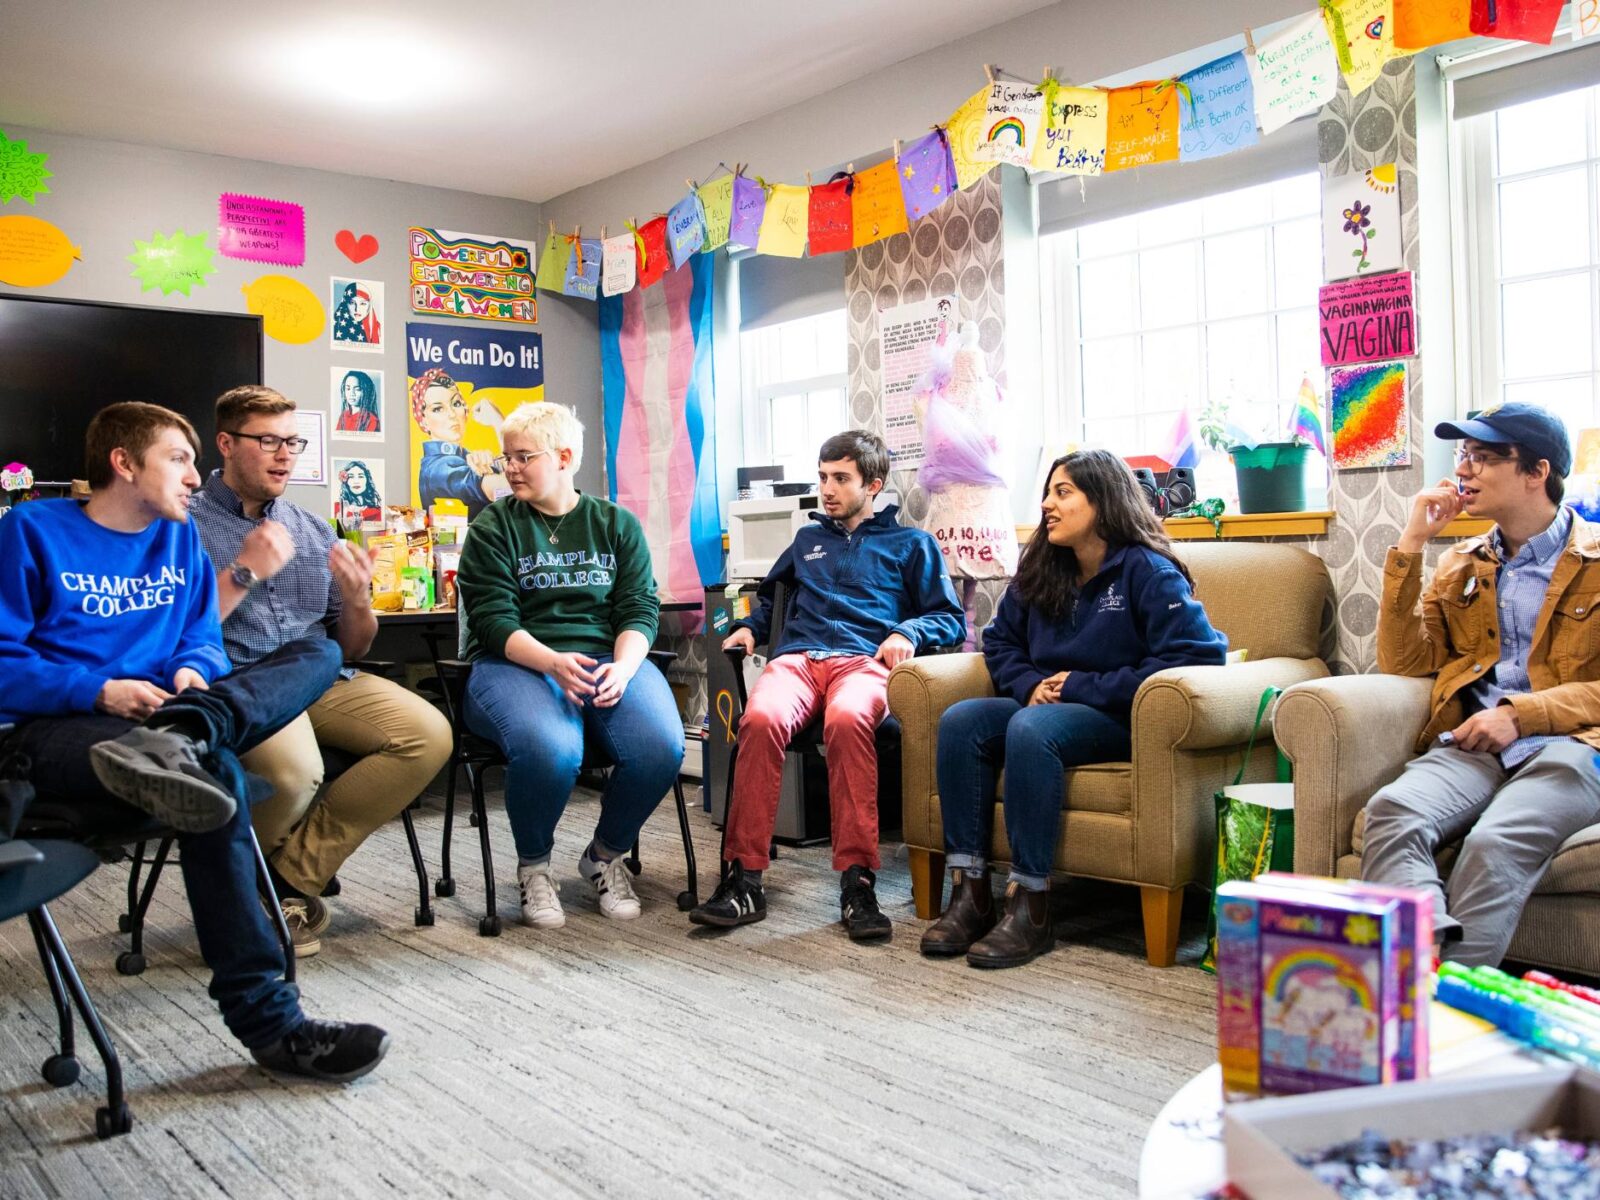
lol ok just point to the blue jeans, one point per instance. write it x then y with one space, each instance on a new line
1034 745
239 712
541 733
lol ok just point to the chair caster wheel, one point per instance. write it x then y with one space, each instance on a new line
444 887
472 819
489 927
424 916
108 1124
687 901
129 963
124 925
59 1070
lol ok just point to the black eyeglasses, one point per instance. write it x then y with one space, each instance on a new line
1476 460
271 441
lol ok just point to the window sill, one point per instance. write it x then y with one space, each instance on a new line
1236 525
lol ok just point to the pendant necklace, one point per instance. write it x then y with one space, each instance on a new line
549 532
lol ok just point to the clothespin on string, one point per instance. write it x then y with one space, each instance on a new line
988 71
1249 42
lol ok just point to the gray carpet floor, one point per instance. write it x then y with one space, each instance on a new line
616 1059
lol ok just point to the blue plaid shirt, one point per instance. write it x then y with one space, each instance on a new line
1521 584
300 601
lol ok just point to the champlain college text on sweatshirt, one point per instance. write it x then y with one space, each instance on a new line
576 593
81 604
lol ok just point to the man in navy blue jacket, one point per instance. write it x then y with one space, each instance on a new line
120 694
867 594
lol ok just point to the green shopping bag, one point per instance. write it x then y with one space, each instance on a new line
1255 828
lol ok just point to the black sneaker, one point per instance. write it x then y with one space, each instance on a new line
858 907
332 1051
737 901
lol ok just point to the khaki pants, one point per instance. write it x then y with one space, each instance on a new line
402 741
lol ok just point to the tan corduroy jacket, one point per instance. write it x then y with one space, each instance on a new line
1452 628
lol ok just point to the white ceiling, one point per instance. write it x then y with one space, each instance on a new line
521 98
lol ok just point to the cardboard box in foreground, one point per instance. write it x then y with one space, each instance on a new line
1262 1137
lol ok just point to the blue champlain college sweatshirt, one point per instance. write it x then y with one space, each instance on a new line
850 591
81 604
1134 618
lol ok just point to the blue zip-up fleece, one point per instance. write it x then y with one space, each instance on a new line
849 591
81 604
1134 618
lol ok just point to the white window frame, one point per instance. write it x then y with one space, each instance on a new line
759 398
1474 228
1060 316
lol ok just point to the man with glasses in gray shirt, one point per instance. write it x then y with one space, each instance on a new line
1507 628
282 574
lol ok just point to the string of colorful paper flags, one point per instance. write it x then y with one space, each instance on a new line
1048 126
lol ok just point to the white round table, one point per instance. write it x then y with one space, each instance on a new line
1183 1159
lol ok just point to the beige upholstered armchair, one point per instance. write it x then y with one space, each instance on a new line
1347 737
1149 822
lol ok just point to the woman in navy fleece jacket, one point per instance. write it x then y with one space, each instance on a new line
1099 605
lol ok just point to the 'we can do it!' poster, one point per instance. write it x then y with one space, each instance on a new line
461 384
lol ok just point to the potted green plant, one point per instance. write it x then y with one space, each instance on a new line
1271 475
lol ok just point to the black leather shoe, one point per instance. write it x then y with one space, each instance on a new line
972 913
1024 933
858 907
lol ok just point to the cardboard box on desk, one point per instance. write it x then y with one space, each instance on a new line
1262 1137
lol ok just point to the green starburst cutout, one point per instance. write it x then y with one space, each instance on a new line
22 173
173 264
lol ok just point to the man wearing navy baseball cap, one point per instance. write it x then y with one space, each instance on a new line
1506 627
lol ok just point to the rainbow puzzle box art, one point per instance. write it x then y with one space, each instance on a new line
1308 988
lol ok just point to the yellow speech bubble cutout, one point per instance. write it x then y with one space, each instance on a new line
34 252
290 311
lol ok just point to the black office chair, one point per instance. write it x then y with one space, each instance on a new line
807 740
25 889
475 755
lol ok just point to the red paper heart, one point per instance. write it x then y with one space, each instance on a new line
356 249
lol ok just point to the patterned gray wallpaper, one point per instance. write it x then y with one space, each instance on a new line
956 249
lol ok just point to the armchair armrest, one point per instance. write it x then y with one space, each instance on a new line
920 690
1189 727
1347 737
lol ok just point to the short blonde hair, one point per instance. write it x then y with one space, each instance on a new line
548 426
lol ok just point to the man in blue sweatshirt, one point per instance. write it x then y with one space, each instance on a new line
119 693
866 594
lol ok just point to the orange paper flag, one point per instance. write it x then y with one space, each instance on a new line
1141 125
828 217
1419 24
877 209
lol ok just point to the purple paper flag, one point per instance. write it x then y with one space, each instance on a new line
927 174
749 205
686 228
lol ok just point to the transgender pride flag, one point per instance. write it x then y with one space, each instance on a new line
655 366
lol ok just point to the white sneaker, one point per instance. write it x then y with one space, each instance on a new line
613 883
541 903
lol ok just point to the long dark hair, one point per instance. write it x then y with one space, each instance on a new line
1047 576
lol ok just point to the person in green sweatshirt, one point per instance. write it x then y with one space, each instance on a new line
560 605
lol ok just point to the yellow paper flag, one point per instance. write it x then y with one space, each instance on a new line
1141 125
1072 139
877 207
783 225
553 259
1362 33
716 198
966 131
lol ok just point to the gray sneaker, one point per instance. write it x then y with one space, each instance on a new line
159 771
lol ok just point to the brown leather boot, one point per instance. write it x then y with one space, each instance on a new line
1024 933
972 913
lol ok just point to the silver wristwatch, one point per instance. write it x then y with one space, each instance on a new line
242 576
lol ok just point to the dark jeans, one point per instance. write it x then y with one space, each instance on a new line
240 711
541 733
1034 745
